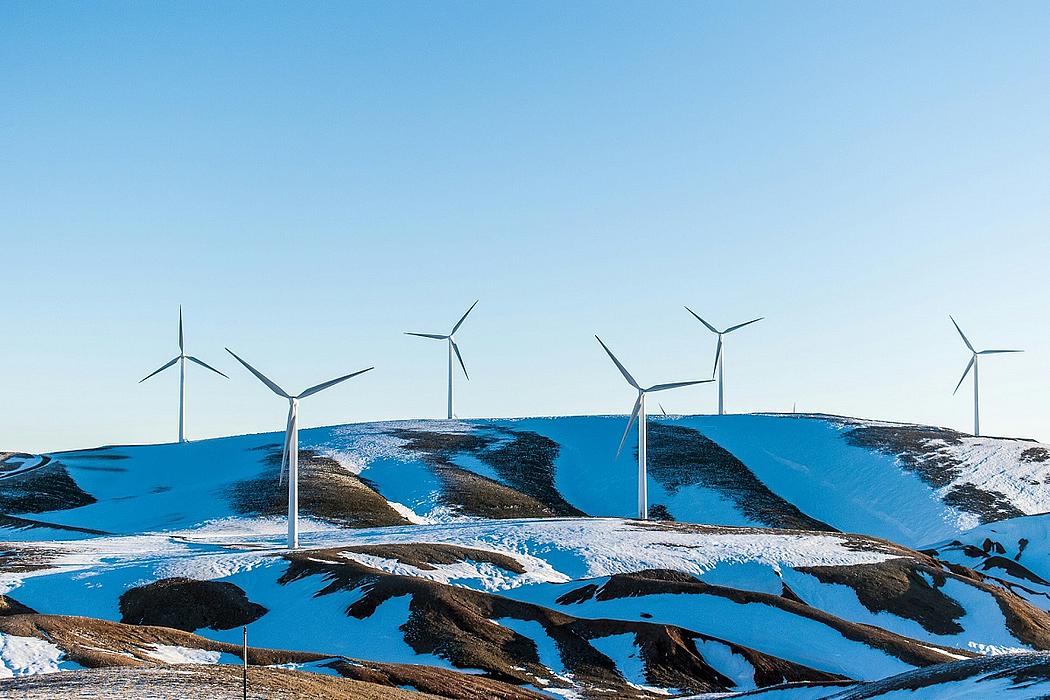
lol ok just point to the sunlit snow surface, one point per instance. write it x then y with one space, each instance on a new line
169 513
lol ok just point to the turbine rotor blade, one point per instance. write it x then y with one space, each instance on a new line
741 325
963 335
709 326
260 376
321 387
435 336
623 370
287 442
204 364
464 318
182 347
630 422
996 352
718 355
164 367
662 409
676 385
459 357
965 372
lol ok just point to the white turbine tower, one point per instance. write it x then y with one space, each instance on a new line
639 413
720 353
973 363
181 359
290 454
452 348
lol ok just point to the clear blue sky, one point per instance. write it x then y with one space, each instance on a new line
311 179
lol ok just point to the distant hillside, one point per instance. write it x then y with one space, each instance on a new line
788 557
912 484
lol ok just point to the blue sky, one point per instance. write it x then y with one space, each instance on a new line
310 180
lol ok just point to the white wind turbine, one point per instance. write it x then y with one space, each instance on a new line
639 413
290 454
973 363
452 348
720 353
181 359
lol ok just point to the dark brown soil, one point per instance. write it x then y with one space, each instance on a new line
1035 454
41 490
898 586
99 644
657 582
1021 669
424 556
457 623
989 506
522 460
198 682
10 606
188 605
917 449
681 457
326 490
15 523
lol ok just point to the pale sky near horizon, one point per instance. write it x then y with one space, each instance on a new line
309 180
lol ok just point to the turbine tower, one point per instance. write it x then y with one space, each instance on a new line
452 348
973 363
290 453
639 413
181 359
720 353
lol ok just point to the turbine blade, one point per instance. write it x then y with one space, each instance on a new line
996 352
460 358
182 345
963 335
204 364
718 356
676 385
284 449
709 326
623 370
321 387
164 367
435 336
630 422
662 409
741 325
464 318
965 372
260 376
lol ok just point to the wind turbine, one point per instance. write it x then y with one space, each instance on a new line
639 413
181 359
973 363
720 353
290 454
452 348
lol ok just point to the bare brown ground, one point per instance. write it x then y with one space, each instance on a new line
326 490
198 682
100 644
458 624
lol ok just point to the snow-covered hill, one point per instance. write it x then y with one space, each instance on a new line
784 550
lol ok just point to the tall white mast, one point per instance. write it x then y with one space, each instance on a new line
290 452
638 413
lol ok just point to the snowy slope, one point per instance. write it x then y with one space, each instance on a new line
489 547
909 484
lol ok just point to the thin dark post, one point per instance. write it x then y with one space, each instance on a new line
245 656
